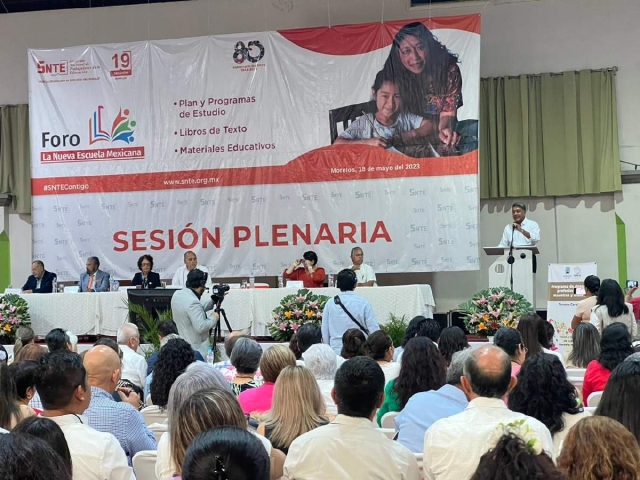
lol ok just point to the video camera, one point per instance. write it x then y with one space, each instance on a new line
217 293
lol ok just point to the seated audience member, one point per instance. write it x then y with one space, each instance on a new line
167 331
514 458
586 346
584 307
423 369
353 341
365 274
509 340
293 346
190 264
535 337
308 334
65 393
273 360
73 341
615 346
24 336
416 328
379 346
611 308
134 365
634 302
40 281
544 393
225 367
486 380
49 431
189 311
57 339
122 419
25 457
201 411
4 355
599 448
551 333
94 279
10 412
297 408
245 357
23 376
620 398
30 352
425 408
173 360
229 453
306 270
336 320
321 360
429 328
452 340
145 278
350 446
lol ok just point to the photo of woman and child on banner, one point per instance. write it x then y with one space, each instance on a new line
415 99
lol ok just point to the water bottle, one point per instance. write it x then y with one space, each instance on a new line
280 281
210 356
252 281
331 284
54 285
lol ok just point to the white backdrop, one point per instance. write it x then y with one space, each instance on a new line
159 147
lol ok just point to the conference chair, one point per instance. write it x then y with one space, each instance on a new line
388 420
594 399
576 372
158 429
419 459
144 465
591 410
389 432
576 382
153 414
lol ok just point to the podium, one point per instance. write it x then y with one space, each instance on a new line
519 275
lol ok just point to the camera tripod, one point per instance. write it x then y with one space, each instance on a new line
217 330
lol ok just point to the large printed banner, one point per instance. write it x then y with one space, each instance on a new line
566 289
253 148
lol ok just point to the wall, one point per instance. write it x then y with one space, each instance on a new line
519 37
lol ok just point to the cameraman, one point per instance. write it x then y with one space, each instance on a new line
189 313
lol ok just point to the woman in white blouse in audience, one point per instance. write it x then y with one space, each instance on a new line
611 308
209 410
544 393
322 361
379 346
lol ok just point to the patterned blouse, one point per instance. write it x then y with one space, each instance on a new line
448 99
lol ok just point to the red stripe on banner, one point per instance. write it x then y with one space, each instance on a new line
367 37
332 163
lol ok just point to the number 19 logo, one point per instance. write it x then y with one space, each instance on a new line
242 53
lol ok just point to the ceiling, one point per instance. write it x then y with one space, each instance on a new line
14 6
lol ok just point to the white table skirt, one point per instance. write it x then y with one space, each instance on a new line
248 310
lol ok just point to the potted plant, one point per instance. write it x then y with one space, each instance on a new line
295 310
492 309
14 313
396 328
149 332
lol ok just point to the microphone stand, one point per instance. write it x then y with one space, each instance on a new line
510 259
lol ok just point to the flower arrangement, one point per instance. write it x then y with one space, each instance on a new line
295 310
493 308
520 429
14 313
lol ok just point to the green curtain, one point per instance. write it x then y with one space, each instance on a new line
549 135
15 162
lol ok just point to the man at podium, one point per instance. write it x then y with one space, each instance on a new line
522 232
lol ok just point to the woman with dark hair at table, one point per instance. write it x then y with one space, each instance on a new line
430 80
145 278
306 269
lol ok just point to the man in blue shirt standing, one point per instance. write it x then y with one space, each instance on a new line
121 419
346 310
425 408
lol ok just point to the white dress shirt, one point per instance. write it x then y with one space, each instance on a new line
134 366
365 274
325 389
453 446
166 467
94 455
519 240
349 448
180 277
